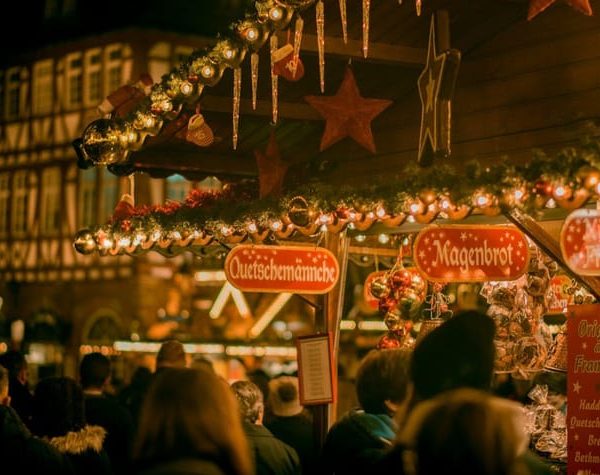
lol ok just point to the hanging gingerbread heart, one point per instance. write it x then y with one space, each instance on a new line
284 66
198 131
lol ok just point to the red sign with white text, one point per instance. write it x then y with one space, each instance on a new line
460 253
303 270
583 396
580 241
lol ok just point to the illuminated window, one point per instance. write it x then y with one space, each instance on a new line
177 188
74 80
50 203
114 67
20 202
4 202
87 197
110 188
43 78
93 76
13 93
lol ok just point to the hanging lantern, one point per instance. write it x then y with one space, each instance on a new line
230 53
253 34
208 70
274 13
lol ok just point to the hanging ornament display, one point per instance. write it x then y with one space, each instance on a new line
237 90
538 6
254 58
198 131
320 16
271 169
436 88
366 11
348 114
284 64
274 81
299 27
344 20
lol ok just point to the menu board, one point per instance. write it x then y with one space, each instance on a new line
315 371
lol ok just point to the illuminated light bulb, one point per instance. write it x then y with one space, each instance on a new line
226 230
229 53
370 215
551 203
186 88
414 208
251 34
207 71
352 216
124 242
107 243
323 228
276 225
149 121
598 188
155 235
166 106
383 238
431 207
380 212
175 235
252 228
445 204
410 219
518 194
351 226
325 219
360 238
482 200
196 234
138 239
275 13
560 191
405 241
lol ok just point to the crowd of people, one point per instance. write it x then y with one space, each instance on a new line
424 411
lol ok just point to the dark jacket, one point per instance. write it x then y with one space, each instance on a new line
21 452
357 442
271 456
297 432
106 412
21 400
186 466
84 450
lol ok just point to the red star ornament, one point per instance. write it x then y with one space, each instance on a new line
538 6
348 114
271 169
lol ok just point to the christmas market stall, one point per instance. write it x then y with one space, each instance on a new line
458 168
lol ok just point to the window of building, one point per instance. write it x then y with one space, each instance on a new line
43 77
110 189
114 67
74 80
87 197
93 74
50 209
177 187
20 202
4 202
13 93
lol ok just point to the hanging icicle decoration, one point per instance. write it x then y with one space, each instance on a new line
366 8
237 90
274 80
320 14
297 42
254 76
418 6
344 19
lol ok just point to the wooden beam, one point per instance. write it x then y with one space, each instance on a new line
289 110
378 52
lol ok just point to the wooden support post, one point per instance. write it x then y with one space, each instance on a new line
551 247
327 319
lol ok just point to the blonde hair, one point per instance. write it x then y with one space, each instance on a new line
192 413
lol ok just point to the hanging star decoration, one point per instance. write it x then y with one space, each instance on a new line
538 6
436 87
271 169
348 114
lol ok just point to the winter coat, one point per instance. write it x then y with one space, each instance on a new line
357 442
271 456
84 450
21 452
297 432
184 466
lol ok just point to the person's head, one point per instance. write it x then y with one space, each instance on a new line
203 362
16 364
284 398
191 412
141 378
467 431
382 380
58 407
250 400
459 353
171 355
4 397
94 371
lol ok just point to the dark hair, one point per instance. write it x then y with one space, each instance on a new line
94 370
58 407
459 353
171 355
190 413
261 379
382 376
250 399
14 362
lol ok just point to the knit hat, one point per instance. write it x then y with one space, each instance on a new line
284 396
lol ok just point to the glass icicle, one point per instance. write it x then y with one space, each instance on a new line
366 8
274 81
237 89
320 14
254 74
418 6
344 18
297 42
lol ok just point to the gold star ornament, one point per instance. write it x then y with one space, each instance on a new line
271 169
436 88
538 6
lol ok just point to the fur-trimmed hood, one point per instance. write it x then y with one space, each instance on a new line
88 438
